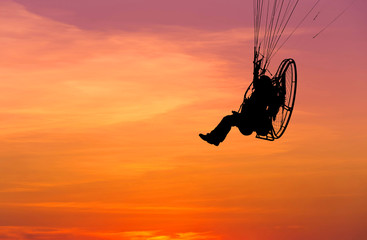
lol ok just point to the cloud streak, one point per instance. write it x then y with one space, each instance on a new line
35 233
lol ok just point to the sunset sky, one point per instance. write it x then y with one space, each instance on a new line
102 102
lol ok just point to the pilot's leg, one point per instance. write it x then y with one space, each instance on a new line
220 132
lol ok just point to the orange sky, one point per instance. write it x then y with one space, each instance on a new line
99 134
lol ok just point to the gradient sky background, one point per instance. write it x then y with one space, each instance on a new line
102 101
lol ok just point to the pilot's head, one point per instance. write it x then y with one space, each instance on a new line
265 78
264 82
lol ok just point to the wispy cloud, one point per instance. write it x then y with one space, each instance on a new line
72 78
37 233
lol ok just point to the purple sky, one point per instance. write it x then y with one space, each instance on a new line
99 15
202 14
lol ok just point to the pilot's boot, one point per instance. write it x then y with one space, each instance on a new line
209 139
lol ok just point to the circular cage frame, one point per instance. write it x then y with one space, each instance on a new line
285 81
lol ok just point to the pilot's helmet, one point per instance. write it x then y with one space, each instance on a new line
263 83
